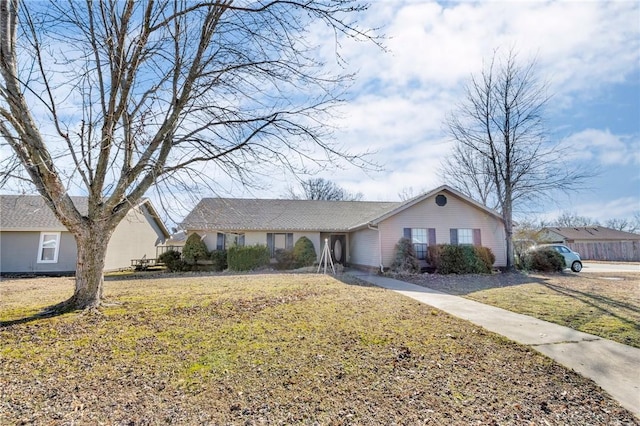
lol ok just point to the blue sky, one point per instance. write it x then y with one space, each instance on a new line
589 52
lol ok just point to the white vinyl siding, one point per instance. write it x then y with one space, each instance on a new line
49 247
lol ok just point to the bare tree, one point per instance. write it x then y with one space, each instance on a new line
572 220
467 171
322 189
501 143
111 97
408 192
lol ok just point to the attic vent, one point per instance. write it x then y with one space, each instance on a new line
441 200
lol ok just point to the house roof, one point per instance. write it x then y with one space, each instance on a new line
233 214
592 233
237 214
31 213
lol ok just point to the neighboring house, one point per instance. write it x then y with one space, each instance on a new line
595 242
32 240
359 233
175 242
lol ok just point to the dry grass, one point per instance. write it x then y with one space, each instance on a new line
606 304
272 349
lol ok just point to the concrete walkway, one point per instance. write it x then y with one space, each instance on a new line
613 366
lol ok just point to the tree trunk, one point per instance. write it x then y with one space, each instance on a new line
508 231
92 250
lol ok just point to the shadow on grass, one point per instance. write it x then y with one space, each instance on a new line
595 300
604 305
45 313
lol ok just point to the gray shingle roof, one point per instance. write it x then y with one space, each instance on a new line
31 213
22 212
233 214
593 233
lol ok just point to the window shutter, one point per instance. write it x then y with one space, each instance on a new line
407 233
453 236
432 236
270 243
477 240
289 243
241 240
220 241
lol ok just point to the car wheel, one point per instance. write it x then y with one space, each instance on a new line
576 266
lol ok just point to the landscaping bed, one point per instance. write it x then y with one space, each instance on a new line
271 349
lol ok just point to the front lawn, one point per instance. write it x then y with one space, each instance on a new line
604 304
271 349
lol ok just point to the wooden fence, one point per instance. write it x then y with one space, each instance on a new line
622 251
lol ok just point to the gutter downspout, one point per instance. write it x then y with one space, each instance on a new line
375 228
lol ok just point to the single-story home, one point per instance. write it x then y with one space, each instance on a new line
595 242
359 233
33 241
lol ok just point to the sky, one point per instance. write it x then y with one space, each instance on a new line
587 51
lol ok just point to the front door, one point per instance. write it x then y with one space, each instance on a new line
338 248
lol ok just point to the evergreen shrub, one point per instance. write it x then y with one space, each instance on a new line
405 260
173 261
461 259
218 260
284 259
544 259
247 258
304 253
194 249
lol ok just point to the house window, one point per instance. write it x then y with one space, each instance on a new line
421 238
48 247
465 236
228 240
279 241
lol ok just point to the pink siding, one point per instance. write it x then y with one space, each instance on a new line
457 213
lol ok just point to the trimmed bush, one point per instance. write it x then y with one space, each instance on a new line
248 258
194 249
405 260
172 260
304 253
218 260
486 256
284 259
544 259
461 259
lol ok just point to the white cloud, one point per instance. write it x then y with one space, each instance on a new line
400 98
603 148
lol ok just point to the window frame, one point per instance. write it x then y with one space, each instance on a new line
226 240
468 237
271 242
420 248
429 239
56 249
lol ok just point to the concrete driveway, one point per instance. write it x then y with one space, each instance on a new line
600 267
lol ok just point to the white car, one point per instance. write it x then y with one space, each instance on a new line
571 258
